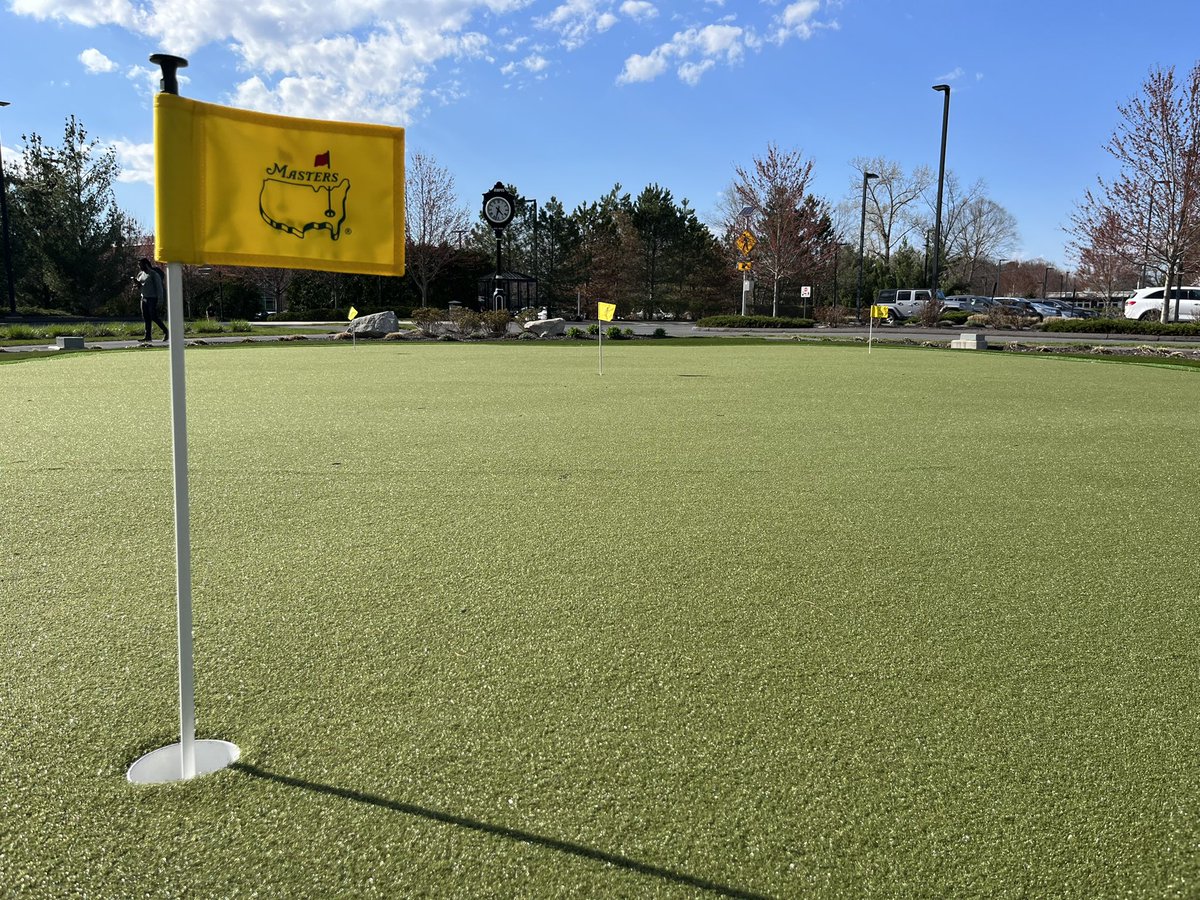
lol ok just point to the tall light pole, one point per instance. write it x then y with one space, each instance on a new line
8 266
523 201
999 276
862 233
1045 275
937 220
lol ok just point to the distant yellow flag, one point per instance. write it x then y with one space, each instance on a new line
241 188
606 311
353 313
879 312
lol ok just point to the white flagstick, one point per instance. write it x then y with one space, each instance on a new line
870 329
188 758
183 545
600 334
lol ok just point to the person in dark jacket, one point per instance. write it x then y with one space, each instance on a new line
154 294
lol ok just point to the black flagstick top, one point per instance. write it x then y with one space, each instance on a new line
169 84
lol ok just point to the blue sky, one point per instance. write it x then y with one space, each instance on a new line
568 97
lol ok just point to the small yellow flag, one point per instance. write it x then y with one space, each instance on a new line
353 313
879 312
606 311
240 188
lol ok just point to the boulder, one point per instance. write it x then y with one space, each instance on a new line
375 325
546 327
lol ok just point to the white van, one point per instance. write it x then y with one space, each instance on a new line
1147 304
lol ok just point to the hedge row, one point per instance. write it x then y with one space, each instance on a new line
1122 326
754 322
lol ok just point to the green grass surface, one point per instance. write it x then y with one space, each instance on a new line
784 620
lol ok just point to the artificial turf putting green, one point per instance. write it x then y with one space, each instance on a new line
780 620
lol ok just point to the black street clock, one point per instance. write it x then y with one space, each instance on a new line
499 206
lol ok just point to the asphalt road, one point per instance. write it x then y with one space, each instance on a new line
686 329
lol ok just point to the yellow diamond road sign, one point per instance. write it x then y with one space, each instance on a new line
745 242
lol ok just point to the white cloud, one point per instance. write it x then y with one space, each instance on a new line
696 51
366 59
577 20
81 12
952 76
535 62
96 62
638 10
642 68
136 161
689 73
712 43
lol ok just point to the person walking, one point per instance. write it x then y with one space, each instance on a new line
154 292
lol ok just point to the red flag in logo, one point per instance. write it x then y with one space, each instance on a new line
322 160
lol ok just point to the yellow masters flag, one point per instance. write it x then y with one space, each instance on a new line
241 188
353 314
606 311
879 312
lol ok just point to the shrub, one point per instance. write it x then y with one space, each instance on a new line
574 332
831 315
1124 326
593 330
496 321
659 333
754 322
21 333
613 332
1004 317
205 326
930 312
239 325
955 316
426 318
468 321
628 332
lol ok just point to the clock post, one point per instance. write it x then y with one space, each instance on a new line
499 205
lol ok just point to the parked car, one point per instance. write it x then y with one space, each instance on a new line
971 303
1146 304
904 302
1032 309
1067 311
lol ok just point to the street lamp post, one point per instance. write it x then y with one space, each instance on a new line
533 200
8 266
1045 275
937 226
999 277
862 232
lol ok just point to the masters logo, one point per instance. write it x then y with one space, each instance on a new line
298 201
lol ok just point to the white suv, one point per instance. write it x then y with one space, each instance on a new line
1147 304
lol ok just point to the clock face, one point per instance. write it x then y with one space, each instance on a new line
498 210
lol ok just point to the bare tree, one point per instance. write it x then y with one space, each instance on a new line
1104 263
893 210
978 230
791 226
1151 209
272 283
432 217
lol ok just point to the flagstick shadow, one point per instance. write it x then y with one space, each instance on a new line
513 834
